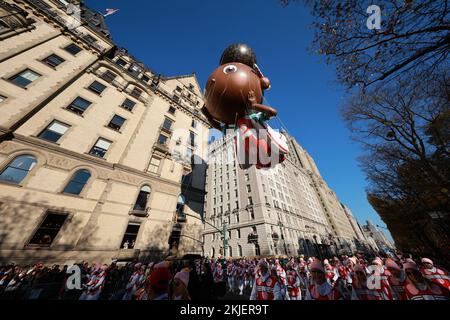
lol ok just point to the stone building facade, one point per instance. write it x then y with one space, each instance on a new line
269 212
95 147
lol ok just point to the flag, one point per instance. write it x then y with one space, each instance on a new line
110 11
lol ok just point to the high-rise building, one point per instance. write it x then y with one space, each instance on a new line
269 212
95 147
378 236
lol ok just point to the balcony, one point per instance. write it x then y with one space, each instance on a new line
162 147
166 129
127 254
139 213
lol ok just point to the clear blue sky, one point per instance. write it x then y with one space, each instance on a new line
175 37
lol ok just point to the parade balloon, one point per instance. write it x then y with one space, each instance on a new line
227 91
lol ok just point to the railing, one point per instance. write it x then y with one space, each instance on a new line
162 147
139 213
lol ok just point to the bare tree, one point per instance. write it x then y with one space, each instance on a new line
414 35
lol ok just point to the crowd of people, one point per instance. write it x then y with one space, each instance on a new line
294 278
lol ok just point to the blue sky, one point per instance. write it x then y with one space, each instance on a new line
175 37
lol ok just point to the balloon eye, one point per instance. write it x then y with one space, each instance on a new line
229 69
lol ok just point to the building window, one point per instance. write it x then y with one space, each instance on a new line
108 76
238 231
171 110
136 93
116 122
4 26
142 199
73 49
247 177
128 104
97 87
249 189
192 138
167 124
49 228
154 165
18 169
64 2
89 38
189 152
194 124
252 213
54 131
240 250
162 139
53 60
24 78
79 105
145 78
121 62
236 204
100 148
130 236
235 193
77 182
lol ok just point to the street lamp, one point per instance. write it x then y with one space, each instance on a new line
223 232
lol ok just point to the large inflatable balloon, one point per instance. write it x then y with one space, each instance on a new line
233 98
235 88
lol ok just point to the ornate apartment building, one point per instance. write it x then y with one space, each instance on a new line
281 211
96 149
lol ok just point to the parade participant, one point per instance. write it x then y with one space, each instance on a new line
159 283
218 272
134 282
95 285
379 278
266 286
417 287
240 275
437 275
179 286
282 278
230 275
396 278
293 282
320 288
360 290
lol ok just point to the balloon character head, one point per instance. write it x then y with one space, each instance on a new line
235 88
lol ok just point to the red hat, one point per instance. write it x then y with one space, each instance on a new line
160 278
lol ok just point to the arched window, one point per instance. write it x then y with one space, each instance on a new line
78 181
18 169
142 199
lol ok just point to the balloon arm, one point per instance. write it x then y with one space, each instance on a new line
269 112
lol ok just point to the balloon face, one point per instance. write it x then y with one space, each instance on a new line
227 91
